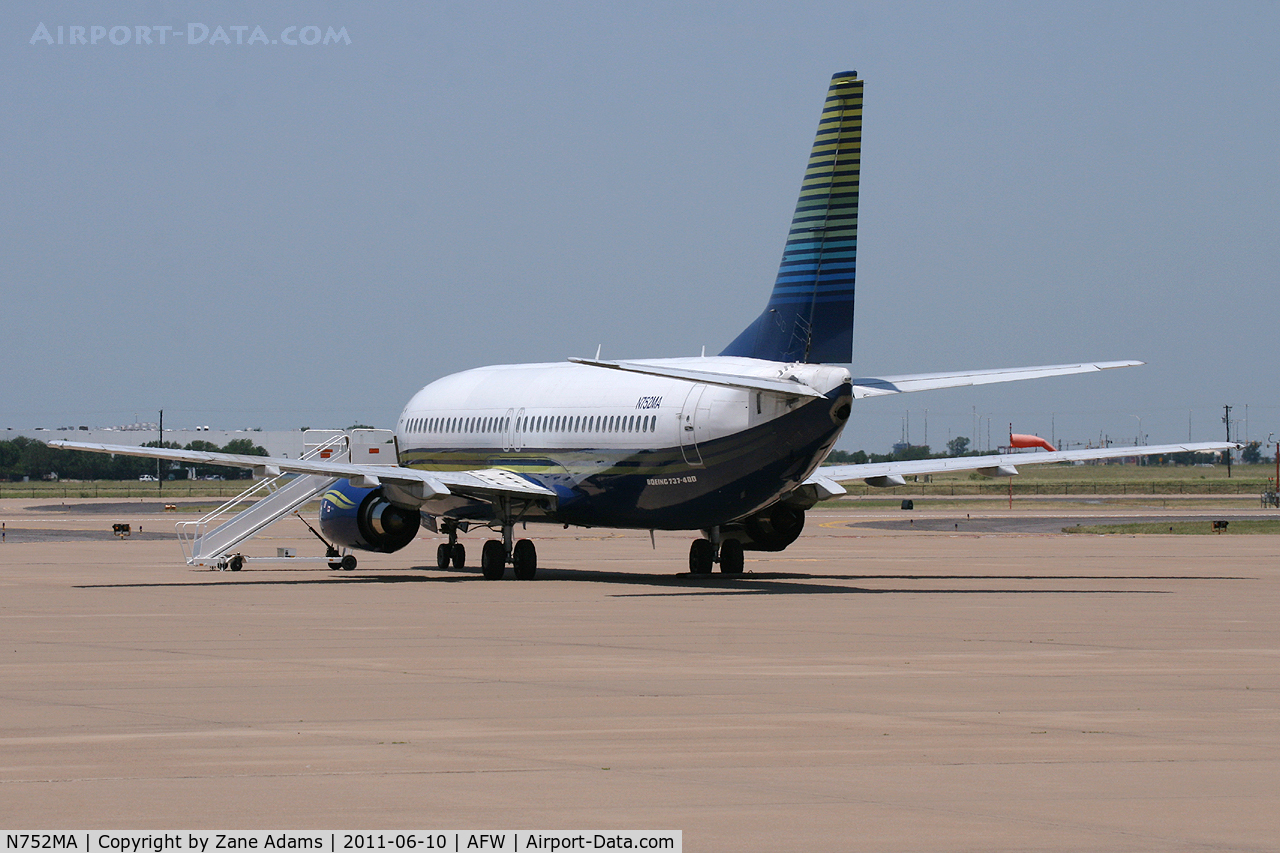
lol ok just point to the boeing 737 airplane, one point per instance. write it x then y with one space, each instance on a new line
728 445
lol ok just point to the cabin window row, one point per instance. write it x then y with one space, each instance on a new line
537 424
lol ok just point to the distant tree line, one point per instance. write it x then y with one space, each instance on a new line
862 457
26 457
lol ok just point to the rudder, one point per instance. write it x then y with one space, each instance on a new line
809 317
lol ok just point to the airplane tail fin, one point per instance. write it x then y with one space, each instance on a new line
809 317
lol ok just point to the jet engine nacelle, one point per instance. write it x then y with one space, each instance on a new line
771 529
365 519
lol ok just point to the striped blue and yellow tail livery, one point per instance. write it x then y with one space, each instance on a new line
809 317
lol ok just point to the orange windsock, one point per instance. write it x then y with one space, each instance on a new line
1017 440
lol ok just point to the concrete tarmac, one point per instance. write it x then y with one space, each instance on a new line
868 689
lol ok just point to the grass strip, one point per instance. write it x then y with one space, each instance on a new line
1242 526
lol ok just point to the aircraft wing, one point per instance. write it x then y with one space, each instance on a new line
875 387
481 483
996 465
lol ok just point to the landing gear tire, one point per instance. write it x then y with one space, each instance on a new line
524 560
348 563
458 554
702 556
493 560
236 563
443 554
731 557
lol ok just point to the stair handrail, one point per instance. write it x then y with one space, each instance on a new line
190 532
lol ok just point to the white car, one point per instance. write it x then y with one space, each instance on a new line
146 478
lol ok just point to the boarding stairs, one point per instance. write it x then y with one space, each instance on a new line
210 540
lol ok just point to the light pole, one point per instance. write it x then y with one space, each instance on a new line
1275 488
1226 419
1138 440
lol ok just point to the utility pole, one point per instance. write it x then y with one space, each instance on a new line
1226 419
159 479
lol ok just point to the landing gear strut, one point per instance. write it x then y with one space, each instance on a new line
705 553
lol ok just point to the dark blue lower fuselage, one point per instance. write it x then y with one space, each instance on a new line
669 488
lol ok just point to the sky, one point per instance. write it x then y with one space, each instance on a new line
273 235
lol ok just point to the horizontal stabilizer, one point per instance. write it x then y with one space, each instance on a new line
875 387
788 387
883 472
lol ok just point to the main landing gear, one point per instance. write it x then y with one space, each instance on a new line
494 555
703 555
523 557
452 551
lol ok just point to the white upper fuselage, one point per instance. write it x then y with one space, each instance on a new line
564 405
630 449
